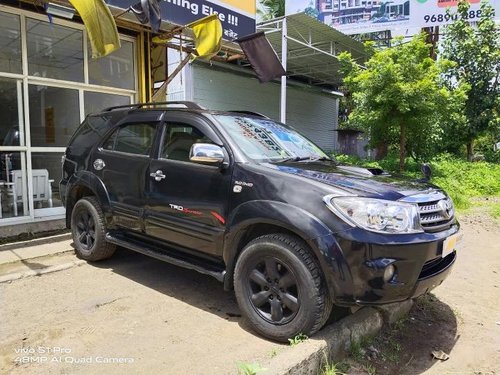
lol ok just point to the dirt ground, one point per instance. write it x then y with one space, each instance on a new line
461 317
128 315
136 315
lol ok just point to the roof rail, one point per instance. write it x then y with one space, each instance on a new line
189 105
250 113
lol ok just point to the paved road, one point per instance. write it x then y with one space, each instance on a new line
152 317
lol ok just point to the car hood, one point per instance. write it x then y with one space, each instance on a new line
356 180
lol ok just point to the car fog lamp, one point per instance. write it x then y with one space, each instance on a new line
389 272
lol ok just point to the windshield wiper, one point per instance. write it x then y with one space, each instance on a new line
303 158
321 158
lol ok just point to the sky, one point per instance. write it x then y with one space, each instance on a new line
294 6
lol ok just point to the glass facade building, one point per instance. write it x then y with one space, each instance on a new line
48 84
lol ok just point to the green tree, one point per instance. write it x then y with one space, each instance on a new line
311 10
271 9
397 98
476 53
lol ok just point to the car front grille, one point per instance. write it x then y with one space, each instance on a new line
436 215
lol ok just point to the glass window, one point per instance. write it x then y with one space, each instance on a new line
54 115
132 139
116 69
179 139
13 185
10 43
46 174
9 112
97 101
54 51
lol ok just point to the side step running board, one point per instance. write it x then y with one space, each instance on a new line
164 256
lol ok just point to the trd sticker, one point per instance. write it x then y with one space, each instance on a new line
185 210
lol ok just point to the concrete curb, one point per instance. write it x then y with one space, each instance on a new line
334 341
42 271
34 257
36 242
28 251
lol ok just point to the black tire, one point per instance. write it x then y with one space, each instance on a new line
89 231
280 289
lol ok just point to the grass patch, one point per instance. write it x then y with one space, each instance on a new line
357 348
399 324
274 352
425 303
331 368
250 368
297 339
495 210
370 369
393 352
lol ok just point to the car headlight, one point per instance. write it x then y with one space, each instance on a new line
376 215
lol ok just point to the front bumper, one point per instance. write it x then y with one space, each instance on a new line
434 274
418 262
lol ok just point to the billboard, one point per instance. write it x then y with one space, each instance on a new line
365 16
433 12
237 16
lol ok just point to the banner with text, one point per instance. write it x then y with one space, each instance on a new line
360 17
237 16
426 13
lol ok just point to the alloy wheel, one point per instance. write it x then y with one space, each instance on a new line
273 291
85 230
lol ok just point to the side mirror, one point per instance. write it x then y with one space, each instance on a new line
206 153
426 171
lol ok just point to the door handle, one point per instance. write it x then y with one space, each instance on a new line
158 175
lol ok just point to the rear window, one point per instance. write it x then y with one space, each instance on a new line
91 129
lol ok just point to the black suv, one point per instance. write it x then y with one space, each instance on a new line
256 205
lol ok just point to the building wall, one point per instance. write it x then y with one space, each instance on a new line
314 114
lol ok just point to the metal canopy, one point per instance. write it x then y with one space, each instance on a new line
309 49
312 47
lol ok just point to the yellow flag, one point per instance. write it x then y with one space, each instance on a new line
100 25
158 40
208 36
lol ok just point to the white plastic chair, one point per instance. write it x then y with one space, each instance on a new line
42 188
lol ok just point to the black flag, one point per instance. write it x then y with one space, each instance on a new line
148 11
261 56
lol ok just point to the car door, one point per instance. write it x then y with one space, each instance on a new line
122 163
187 202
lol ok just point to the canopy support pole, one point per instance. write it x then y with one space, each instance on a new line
284 55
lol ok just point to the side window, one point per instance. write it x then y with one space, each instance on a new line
179 139
132 139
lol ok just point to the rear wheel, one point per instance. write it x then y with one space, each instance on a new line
280 289
89 231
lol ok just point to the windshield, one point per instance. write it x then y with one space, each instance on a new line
266 140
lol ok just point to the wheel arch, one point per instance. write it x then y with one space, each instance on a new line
258 218
87 184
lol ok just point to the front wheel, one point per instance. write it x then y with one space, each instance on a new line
280 289
89 231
